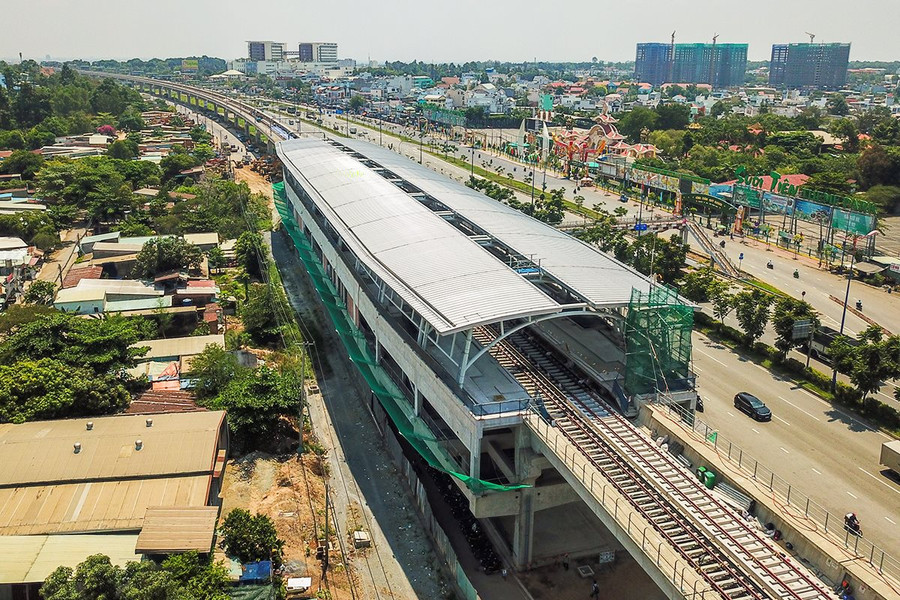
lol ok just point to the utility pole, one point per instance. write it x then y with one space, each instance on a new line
844 314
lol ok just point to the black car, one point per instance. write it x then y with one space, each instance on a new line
753 406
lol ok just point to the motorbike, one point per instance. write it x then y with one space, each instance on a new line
796 274
769 265
699 406
859 305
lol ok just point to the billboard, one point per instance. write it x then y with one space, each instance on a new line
746 196
671 182
779 205
190 65
812 211
852 222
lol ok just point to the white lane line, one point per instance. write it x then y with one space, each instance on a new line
798 408
852 496
890 520
698 369
816 471
878 479
857 421
782 420
711 357
755 429
783 450
730 414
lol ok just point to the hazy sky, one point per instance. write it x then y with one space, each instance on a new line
448 30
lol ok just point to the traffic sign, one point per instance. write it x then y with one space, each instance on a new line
640 227
802 329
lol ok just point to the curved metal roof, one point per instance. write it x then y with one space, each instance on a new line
452 281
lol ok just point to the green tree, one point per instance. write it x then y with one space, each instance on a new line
101 345
636 120
122 150
847 131
869 364
837 105
131 120
212 370
696 285
162 254
251 537
251 253
357 102
258 314
652 255
786 313
176 162
722 299
22 162
50 389
752 311
216 259
672 116
203 153
40 292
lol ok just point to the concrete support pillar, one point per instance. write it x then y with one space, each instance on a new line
465 358
527 472
417 399
475 459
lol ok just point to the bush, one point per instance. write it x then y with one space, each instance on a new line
250 538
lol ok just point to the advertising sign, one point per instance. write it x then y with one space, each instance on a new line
669 183
775 204
852 222
190 65
812 211
745 196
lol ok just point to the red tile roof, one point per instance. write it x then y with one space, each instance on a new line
163 401
76 275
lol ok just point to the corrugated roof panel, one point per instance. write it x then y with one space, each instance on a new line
597 277
421 256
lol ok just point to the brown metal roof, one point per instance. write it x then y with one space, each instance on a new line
43 451
96 506
177 529
30 559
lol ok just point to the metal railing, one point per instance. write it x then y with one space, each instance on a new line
832 526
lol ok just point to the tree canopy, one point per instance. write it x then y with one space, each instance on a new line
162 254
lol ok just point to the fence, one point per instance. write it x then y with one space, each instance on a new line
832 526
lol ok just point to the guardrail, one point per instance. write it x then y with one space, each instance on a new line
832 526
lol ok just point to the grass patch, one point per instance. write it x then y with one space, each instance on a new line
758 283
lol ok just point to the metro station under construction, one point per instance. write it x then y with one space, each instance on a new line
510 356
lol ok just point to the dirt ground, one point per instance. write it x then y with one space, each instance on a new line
257 182
291 491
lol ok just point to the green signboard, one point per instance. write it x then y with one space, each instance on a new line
746 196
436 114
852 222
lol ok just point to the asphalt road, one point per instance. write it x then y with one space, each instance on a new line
823 451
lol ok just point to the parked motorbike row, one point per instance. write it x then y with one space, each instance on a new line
479 543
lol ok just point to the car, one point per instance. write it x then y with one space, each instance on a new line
753 406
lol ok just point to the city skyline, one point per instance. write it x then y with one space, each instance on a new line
471 31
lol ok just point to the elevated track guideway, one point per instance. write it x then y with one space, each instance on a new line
734 560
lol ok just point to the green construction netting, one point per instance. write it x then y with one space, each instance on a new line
657 342
395 404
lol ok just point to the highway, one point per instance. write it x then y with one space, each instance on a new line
825 452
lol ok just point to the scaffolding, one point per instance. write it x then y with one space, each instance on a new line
657 343
410 425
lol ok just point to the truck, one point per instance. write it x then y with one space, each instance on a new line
890 456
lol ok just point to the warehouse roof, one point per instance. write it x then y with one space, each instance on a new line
177 529
30 559
43 451
117 505
451 280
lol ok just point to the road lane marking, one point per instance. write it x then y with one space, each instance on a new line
783 450
857 421
698 369
711 357
816 471
783 421
755 429
852 496
878 479
890 520
730 414
798 408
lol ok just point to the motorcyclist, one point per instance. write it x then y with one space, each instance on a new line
851 522
769 265
858 304
796 274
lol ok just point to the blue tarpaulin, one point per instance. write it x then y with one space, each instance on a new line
258 571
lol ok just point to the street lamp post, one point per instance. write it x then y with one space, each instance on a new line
843 314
